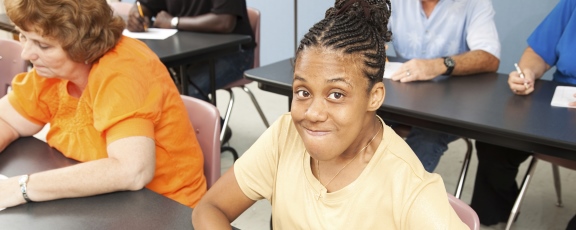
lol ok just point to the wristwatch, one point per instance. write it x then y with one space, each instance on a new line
23 181
449 63
174 22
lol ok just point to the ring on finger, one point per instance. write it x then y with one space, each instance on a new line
407 72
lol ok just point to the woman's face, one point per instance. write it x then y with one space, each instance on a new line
330 105
47 56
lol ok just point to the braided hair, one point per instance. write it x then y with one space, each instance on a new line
354 26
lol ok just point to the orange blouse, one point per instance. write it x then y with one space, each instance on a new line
129 93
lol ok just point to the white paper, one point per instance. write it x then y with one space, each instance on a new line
152 33
2 177
563 96
391 68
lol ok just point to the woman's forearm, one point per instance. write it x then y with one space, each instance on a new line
7 134
130 166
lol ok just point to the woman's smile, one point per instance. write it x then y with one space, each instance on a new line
317 132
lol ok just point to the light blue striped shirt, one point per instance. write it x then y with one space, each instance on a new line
454 27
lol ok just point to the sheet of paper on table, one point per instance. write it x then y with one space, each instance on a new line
152 33
391 68
563 96
2 177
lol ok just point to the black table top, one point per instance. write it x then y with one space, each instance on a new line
141 209
186 47
479 106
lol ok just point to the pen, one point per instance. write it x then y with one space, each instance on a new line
521 74
141 14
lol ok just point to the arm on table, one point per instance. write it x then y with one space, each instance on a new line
533 67
13 125
221 205
130 166
475 61
210 22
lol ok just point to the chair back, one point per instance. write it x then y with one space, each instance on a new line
465 212
206 121
254 17
10 63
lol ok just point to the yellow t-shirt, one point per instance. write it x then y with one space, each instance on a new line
393 192
129 93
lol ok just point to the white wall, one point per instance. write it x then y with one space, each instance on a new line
515 21
3 34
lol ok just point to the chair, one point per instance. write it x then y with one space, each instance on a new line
254 16
206 121
404 130
556 161
10 63
465 212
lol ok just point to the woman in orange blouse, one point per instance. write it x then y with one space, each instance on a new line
110 102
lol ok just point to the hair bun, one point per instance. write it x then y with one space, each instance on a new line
374 12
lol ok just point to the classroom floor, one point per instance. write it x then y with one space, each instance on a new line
537 212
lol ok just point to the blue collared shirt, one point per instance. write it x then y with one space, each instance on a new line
454 27
554 40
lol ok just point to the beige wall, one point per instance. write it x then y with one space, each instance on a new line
3 34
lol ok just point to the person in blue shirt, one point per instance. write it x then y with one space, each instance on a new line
442 37
553 43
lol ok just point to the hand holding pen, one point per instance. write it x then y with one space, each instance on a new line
521 82
137 20
141 13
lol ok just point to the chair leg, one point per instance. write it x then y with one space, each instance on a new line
227 114
464 170
525 183
557 185
256 105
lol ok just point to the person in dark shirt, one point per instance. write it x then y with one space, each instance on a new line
209 16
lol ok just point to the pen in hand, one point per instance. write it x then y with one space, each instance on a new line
141 15
521 74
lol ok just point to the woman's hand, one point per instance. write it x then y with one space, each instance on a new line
10 194
519 85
